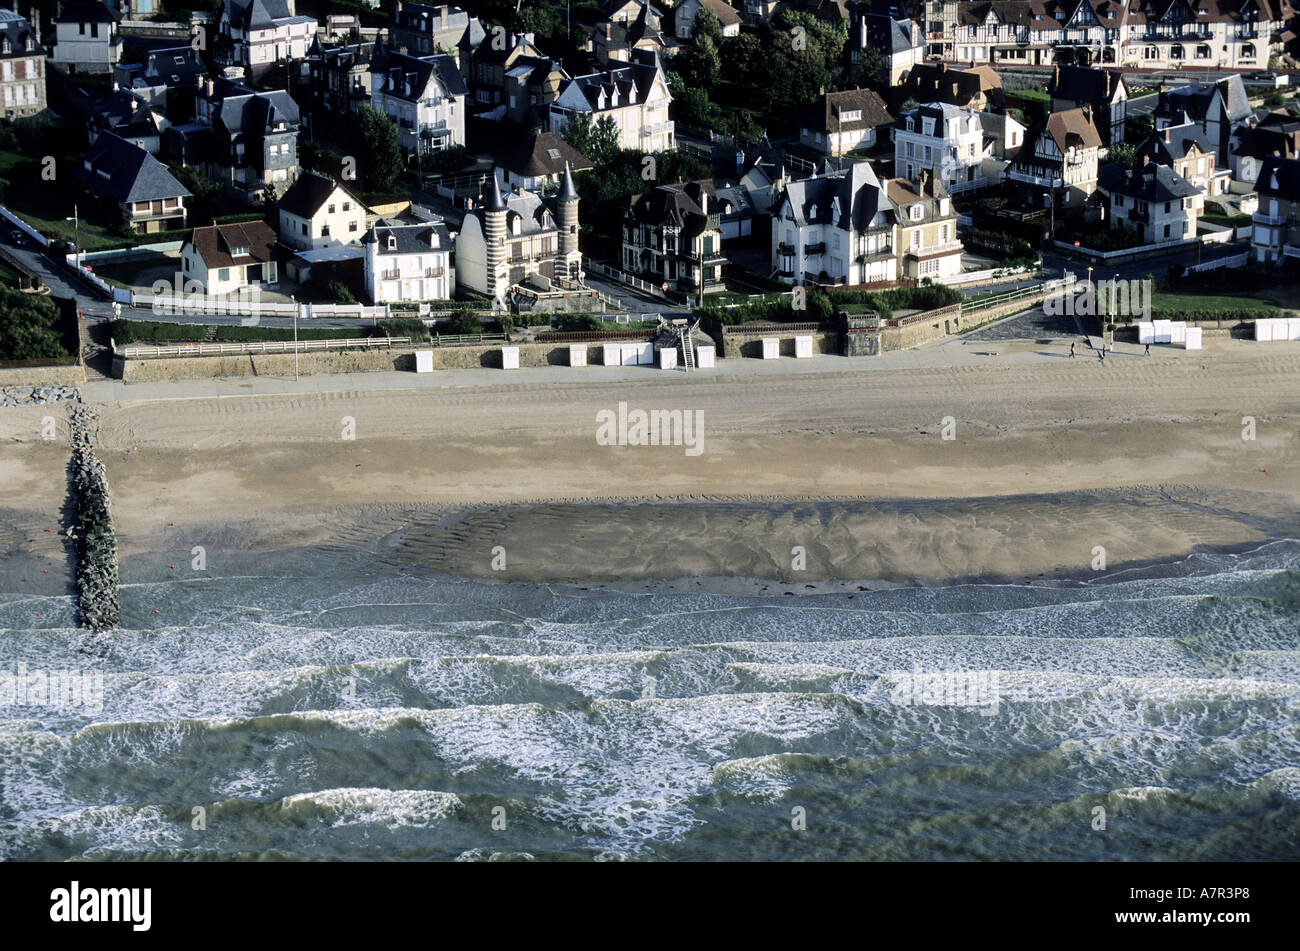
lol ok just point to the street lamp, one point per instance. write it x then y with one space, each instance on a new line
76 235
294 300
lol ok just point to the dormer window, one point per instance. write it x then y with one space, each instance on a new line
851 115
915 211
392 242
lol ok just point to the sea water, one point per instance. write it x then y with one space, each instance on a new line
334 711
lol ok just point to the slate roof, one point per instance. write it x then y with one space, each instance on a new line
214 243
1175 142
726 14
258 14
126 113
939 82
241 110
1080 84
884 33
406 77
19 31
1149 182
860 193
86 11
306 196
638 75
529 208
1278 133
125 172
411 238
162 69
542 154
686 206
1279 178
873 111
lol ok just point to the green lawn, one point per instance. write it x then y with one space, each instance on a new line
45 204
1162 301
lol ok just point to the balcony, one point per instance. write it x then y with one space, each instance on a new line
433 272
784 248
816 248
1274 221
1142 216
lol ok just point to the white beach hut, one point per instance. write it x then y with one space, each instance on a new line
771 348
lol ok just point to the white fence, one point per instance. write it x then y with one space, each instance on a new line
615 274
1234 261
249 305
276 346
976 277
24 227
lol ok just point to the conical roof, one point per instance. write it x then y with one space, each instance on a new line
567 191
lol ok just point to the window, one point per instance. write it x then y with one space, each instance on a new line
223 274
1166 208
304 227
352 226
331 211
851 115
325 231
1166 231
347 206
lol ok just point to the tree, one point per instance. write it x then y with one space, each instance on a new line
28 327
604 141
380 161
706 25
706 61
578 132
743 58
1124 152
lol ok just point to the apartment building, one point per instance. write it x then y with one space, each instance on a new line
1156 34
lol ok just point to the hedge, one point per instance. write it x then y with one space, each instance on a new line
133 331
1240 315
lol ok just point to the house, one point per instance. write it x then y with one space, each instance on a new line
420 29
223 259
900 44
338 79
1057 164
408 262
86 36
144 195
510 239
978 88
688 10
252 145
424 96
319 212
615 39
537 162
945 139
1153 200
1190 156
672 235
22 65
634 96
128 114
737 212
1277 134
927 227
261 34
846 121
837 228
1218 109
1072 87
1275 237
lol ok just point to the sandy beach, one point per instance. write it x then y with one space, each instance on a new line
1143 458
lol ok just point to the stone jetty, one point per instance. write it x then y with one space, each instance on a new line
97 603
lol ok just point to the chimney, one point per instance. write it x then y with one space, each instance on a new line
442 17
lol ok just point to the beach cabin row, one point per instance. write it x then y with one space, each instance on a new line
1169 331
803 347
1277 328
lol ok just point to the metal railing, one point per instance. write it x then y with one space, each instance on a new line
268 346
997 300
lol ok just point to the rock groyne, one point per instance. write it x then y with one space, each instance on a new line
98 608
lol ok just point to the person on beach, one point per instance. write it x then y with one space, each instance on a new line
1071 349
1147 352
